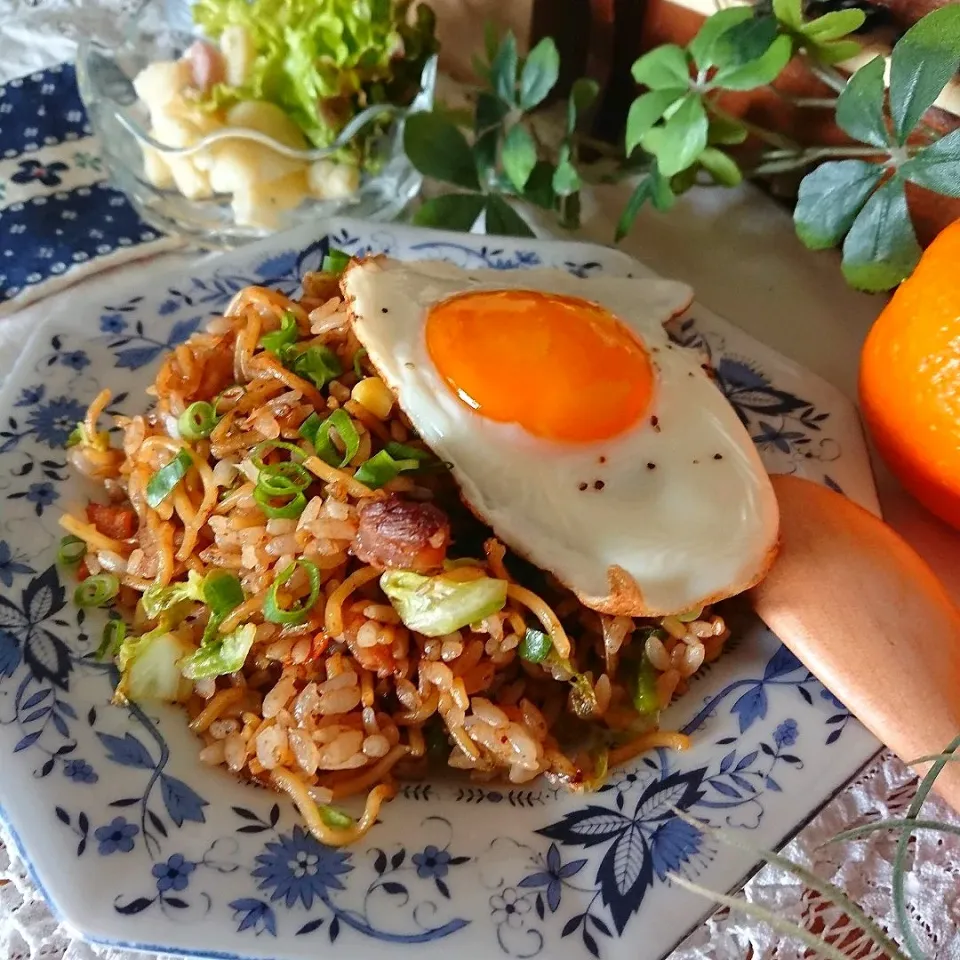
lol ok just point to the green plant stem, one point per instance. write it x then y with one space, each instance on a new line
825 103
856 833
832 78
761 133
810 879
774 920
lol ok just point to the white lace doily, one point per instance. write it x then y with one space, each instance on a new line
37 33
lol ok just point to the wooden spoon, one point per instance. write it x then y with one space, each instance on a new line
867 616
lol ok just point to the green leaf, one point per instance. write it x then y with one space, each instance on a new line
830 198
881 248
923 60
834 25
438 149
726 131
503 70
502 219
789 13
653 187
539 74
836 51
665 66
645 111
518 156
745 42
860 105
453 211
491 42
760 72
721 166
703 46
487 129
582 94
937 167
539 188
681 139
566 180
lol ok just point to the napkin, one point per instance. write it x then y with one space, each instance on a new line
59 219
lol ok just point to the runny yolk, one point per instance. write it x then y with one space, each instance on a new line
560 367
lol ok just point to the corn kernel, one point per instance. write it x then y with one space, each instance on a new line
372 393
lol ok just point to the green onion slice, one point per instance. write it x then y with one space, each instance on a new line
400 451
163 482
535 646
284 511
317 431
645 697
72 550
75 437
274 613
268 446
357 357
690 615
288 333
280 479
197 421
335 261
335 817
222 593
381 468
96 591
319 365
114 632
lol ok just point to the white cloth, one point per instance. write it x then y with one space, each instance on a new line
37 33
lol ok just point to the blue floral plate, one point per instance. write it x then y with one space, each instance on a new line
138 845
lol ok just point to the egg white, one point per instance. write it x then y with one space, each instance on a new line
697 526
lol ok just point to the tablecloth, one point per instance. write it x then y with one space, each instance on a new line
740 278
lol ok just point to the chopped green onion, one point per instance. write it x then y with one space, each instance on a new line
72 551
357 357
163 482
285 511
335 817
400 451
690 615
279 479
335 261
197 421
220 655
381 468
317 431
535 646
288 333
267 446
114 632
645 698
435 606
96 591
583 697
319 365
274 613
75 437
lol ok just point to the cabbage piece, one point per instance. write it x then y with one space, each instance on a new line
222 655
435 606
157 600
150 667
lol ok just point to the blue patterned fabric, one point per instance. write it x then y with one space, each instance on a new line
58 217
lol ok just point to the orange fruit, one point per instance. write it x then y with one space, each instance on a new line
910 379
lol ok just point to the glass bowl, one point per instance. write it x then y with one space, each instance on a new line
159 30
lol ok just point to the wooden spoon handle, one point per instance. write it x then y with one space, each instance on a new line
867 616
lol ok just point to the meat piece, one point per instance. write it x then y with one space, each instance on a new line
118 523
402 535
207 66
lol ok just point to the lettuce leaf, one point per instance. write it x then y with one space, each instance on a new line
220 655
150 668
319 60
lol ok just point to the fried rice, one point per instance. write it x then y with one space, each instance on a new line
331 694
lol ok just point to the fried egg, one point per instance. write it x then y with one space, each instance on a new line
589 442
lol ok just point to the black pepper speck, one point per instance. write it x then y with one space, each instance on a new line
384 310
582 486
602 460
718 456
651 466
598 484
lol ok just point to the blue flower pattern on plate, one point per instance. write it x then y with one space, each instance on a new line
580 871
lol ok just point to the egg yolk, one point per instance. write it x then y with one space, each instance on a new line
560 367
